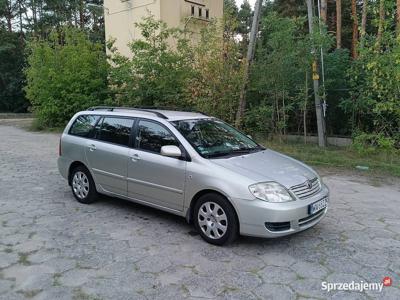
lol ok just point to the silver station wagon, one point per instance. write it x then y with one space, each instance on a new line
191 165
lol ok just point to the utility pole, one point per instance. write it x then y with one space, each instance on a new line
315 75
249 60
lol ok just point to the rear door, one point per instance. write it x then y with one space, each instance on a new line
108 153
154 178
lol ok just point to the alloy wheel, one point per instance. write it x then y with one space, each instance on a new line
212 220
80 185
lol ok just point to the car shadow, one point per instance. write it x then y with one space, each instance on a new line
144 212
148 213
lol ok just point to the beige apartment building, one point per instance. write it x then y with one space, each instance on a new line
120 16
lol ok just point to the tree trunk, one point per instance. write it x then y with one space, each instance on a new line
324 11
8 15
305 110
34 16
354 41
339 24
398 18
250 56
364 18
81 14
21 28
284 113
381 21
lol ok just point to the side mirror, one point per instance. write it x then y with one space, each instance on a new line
171 151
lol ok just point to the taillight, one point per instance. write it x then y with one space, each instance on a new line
59 148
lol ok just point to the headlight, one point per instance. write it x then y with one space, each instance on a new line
270 192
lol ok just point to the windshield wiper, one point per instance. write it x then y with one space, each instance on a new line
248 150
218 154
234 152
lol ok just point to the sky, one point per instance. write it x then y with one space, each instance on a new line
239 2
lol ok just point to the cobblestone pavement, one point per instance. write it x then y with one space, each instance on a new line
52 247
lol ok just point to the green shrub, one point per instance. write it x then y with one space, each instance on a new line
368 143
66 73
258 120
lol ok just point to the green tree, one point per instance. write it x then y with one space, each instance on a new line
279 74
245 19
157 74
11 74
219 70
231 8
374 101
65 74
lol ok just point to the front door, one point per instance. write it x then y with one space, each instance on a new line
154 178
108 154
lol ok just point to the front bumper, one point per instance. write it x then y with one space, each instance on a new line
262 219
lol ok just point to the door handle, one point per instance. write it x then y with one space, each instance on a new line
135 157
92 148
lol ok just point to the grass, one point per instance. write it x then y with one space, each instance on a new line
36 126
379 162
23 259
16 116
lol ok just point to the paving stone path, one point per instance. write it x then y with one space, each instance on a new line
52 247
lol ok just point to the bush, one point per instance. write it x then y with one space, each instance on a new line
368 143
65 74
375 89
258 120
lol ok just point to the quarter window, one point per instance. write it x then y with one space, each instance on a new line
152 137
83 126
115 130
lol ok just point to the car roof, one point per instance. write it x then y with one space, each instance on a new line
165 114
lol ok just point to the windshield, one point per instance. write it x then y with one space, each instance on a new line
214 138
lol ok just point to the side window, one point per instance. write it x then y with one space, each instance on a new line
152 136
115 130
83 126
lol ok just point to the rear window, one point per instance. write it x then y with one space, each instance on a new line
84 126
115 130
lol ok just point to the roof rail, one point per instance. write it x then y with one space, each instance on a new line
112 108
172 109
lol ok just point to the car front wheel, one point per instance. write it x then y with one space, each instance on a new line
215 219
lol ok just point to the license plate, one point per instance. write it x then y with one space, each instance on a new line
317 206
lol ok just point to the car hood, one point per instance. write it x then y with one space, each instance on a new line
268 165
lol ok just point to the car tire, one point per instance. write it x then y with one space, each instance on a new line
83 186
215 219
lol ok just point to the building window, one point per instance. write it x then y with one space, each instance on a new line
207 13
200 12
192 10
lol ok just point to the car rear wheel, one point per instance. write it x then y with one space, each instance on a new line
215 219
83 186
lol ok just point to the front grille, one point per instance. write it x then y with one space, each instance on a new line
306 189
311 218
277 226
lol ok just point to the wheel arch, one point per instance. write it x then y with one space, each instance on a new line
74 165
196 197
